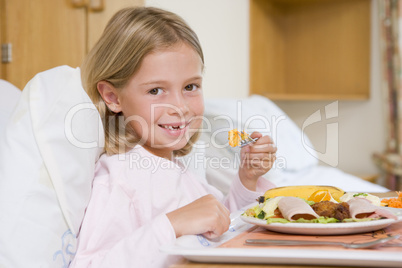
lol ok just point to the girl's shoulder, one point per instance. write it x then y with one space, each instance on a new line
123 160
132 155
137 160
121 170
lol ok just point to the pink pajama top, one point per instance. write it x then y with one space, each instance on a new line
125 222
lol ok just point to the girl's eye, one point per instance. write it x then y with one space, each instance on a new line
155 91
191 87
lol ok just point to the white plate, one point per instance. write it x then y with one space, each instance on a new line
328 228
197 248
322 229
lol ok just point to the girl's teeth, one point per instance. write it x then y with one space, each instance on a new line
174 128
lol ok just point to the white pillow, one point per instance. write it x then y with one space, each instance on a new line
47 161
10 95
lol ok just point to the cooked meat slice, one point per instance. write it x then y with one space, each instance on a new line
329 209
294 208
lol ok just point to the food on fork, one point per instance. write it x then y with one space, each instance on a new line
244 135
239 138
234 138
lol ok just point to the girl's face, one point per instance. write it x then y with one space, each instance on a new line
163 101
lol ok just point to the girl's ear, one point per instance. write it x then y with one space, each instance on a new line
109 95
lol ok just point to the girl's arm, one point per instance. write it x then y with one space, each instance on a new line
256 160
206 215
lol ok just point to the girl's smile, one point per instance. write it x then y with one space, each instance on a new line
175 129
163 100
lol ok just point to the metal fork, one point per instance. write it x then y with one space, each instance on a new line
269 242
247 141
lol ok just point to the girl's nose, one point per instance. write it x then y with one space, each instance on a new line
179 103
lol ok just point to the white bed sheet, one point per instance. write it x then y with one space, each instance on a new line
10 95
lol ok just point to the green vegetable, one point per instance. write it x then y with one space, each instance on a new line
360 194
359 220
301 220
309 202
277 220
261 215
319 220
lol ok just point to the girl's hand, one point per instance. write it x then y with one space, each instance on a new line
206 216
256 159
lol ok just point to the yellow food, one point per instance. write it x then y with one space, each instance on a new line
320 195
304 191
244 135
234 138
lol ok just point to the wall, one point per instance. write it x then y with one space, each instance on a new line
222 26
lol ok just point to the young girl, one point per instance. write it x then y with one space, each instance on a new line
145 77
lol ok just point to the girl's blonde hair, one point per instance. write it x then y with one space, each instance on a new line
130 35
